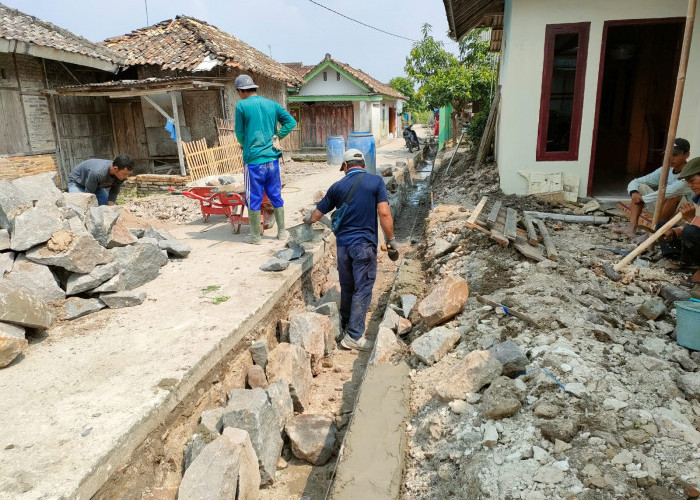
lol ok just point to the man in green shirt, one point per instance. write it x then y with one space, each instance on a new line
256 130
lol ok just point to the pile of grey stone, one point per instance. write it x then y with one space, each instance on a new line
238 448
62 254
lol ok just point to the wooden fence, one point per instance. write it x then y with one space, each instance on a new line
226 128
202 161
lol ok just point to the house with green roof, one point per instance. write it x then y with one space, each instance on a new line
336 99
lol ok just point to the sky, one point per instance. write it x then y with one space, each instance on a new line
289 30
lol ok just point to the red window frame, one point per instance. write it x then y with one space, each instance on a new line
552 30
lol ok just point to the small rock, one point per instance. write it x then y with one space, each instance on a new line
256 377
386 346
433 345
76 307
549 475
7 259
312 438
407 302
476 370
12 342
404 327
390 320
275 265
673 294
512 358
258 351
123 299
490 438
175 248
458 406
501 399
652 308
4 240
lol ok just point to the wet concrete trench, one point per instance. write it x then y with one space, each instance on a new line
155 470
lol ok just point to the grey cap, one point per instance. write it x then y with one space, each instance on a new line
690 168
245 82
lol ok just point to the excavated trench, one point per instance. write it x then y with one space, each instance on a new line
155 469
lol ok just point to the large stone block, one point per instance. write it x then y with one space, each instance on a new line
35 226
36 278
4 240
77 253
291 363
331 295
225 469
7 260
116 283
41 189
512 358
312 438
250 410
140 263
79 283
81 202
259 350
433 345
175 248
120 236
476 370
21 307
123 299
12 342
390 320
76 307
311 331
281 402
12 203
99 222
386 346
444 302
330 309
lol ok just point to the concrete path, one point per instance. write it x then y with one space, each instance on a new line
76 404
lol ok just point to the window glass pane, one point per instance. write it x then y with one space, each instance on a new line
561 98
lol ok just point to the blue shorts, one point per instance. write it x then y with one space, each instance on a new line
263 177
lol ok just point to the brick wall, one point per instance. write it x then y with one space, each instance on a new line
12 167
154 184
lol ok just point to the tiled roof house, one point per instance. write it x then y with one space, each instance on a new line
336 99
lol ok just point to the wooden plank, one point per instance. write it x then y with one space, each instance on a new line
511 224
489 130
494 214
550 249
176 116
529 251
498 228
644 218
531 233
475 214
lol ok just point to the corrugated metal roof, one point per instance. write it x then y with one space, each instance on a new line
21 27
164 84
184 43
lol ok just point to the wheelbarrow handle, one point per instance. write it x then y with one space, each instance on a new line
174 191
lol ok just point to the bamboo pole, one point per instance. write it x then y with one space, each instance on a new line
648 242
173 100
677 99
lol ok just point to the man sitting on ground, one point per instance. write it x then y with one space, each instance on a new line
644 190
690 233
95 176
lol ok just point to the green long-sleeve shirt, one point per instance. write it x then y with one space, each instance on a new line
256 123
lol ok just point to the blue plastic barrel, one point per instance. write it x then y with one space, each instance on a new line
364 141
688 324
335 146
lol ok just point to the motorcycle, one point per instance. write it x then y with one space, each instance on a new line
411 139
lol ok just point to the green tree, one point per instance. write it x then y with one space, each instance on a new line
427 56
406 87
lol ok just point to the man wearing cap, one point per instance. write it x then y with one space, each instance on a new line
690 233
644 190
256 130
356 241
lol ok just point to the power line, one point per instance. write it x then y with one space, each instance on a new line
360 22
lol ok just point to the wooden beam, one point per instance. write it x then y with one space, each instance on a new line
498 228
489 130
494 214
531 233
158 108
547 240
475 214
173 100
511 224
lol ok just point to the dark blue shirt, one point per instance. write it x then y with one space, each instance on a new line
360 220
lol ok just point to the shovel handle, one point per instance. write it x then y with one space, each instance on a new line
648 242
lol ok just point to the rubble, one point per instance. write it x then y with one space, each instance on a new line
445 301
476 370
433 345
292 364
123 299
250 410
225 468
275 265
312 438
12 342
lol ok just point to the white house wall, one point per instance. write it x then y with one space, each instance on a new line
521 78
332 86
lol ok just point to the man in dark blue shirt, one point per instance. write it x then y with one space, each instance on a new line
356 241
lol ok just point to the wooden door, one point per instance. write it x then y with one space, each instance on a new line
130 133
392 120
319 122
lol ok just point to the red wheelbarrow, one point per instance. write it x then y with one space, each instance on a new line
212 201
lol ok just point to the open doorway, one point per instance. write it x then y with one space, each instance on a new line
636 84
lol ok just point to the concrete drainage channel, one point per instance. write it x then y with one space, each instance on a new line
217 399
